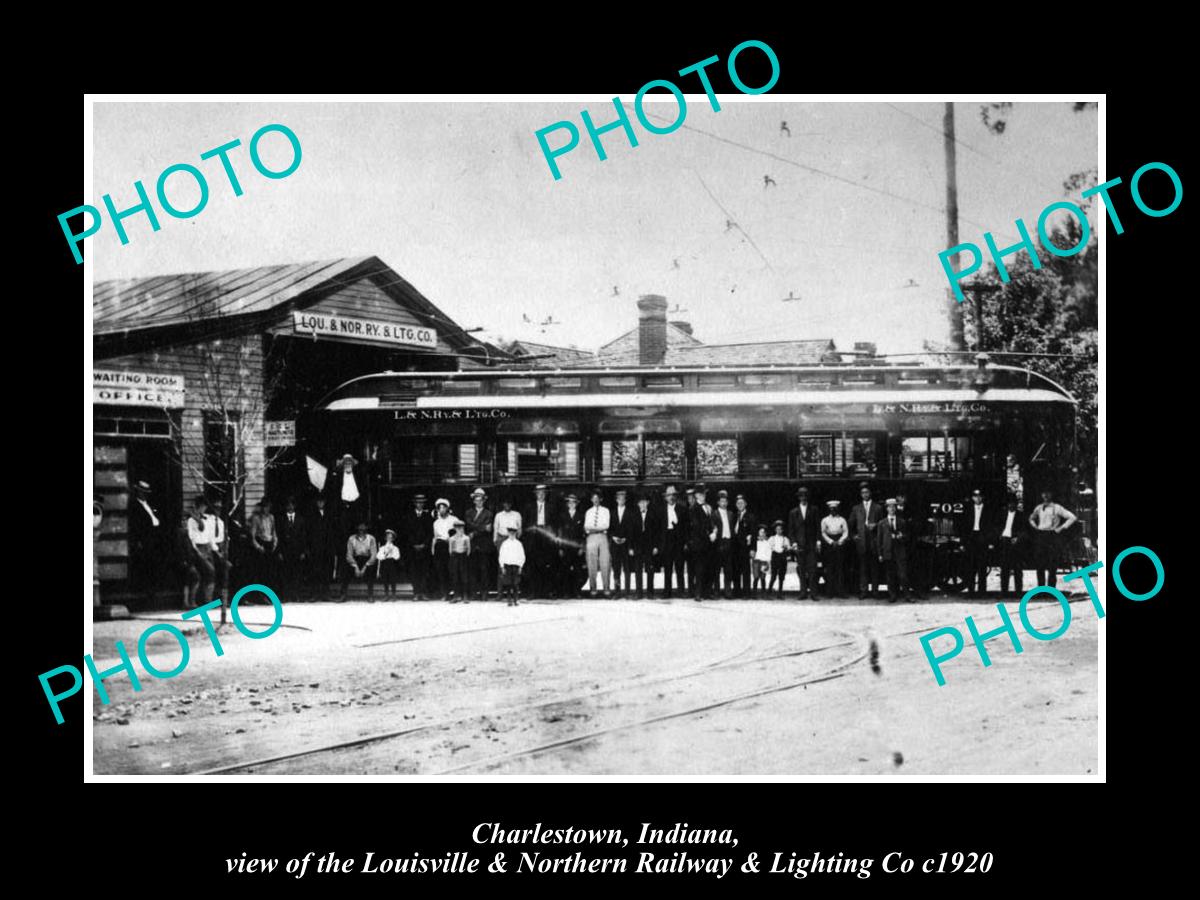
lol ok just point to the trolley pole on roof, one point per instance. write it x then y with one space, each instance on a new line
957 340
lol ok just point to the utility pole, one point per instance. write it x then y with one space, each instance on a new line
957 341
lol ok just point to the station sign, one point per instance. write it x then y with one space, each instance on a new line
346 328
126 388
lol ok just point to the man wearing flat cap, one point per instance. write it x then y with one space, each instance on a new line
416 528
804 527
478 523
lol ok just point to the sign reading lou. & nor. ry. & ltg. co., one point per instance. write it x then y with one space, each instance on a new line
326 325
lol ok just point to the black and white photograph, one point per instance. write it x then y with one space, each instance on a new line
672 438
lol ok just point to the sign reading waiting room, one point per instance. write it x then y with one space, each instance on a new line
325 325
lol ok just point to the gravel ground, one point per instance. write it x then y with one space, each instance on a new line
477 686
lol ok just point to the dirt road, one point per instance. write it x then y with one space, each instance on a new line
594 687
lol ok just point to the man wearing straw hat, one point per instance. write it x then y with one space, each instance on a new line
442 527
478 523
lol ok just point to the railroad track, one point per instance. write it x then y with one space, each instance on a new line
862 647
567 707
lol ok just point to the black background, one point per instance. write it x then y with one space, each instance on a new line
1042 834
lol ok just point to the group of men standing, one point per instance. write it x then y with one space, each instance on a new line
704 549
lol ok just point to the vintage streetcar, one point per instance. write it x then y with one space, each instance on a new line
933 433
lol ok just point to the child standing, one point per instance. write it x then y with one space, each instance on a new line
779 546
389 562
460 549
512 560
762 560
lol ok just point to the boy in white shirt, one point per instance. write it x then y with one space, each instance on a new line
762 561
779 544
512 560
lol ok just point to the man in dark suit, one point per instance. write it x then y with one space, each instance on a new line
642 534
722 540
893 552
917 563
293 546
1011 543
864 522
618 537
700 539
478 524
672 539
745 531
416 533
976 530
325 548
804 532
571 547
539 520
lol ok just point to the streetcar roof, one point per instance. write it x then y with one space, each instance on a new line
705 399
851 384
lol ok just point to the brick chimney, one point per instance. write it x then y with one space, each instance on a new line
652 329
685 327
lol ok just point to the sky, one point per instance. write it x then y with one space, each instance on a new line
457 198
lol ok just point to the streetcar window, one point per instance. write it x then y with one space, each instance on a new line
717 457
914 454
462 387
855 455
517 384
660 383
716 381
936 454
621 458
563 384
468 461
537 459
548 427
763 454
423 461
635 427
816 454
617 381
633 458
664 458
762 379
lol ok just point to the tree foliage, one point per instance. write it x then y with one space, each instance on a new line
1053 311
